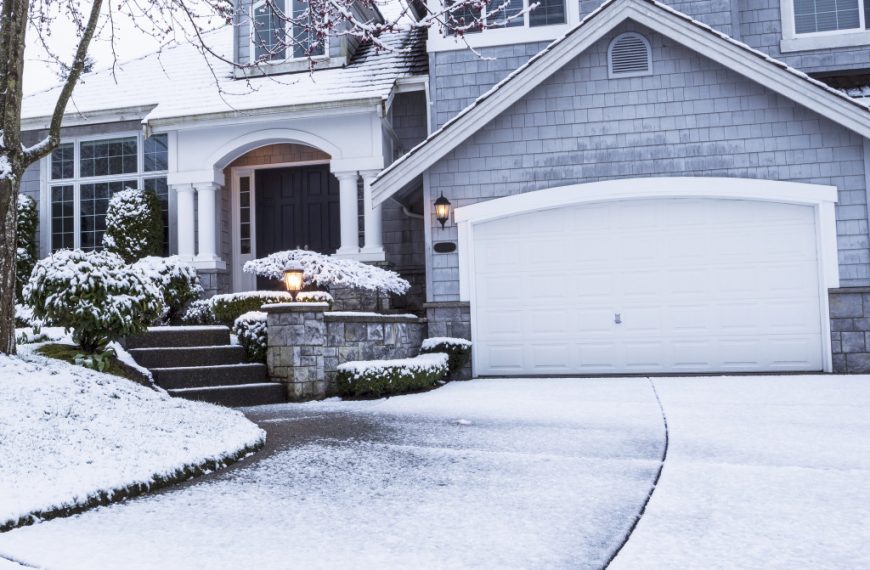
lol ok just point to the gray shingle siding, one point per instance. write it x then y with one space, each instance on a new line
691 117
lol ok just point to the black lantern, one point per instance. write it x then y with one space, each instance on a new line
442 210
293 274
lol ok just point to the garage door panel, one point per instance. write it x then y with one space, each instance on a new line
700 285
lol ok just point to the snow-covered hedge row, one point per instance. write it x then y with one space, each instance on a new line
251 331
93 293
225 309
457 349
26 247
177 281
134 226
376 378
315 297
326 271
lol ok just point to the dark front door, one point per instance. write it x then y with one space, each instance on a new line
296 208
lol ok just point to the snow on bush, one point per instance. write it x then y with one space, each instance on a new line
73 437
251 330
315 297
198 313
458 350
177 281
326 271
26 247
227 308
134 226
95 294
376 378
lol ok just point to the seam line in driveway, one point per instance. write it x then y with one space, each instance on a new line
655 481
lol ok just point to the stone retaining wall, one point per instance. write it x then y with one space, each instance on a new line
307 343
850 329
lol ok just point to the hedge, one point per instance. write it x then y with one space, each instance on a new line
377 378
458 350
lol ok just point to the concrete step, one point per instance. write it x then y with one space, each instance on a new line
205 376
237 395
167 357
180 337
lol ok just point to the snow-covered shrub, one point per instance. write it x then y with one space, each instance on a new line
134 226
198 313
315 297
458 350
376 378
23 315
251 331
26 252
177 281
227 308
93 293
325 271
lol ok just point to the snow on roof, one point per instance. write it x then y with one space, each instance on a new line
180 81
495 88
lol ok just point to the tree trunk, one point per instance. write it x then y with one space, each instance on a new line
8 215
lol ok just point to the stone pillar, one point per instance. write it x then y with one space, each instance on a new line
184 221
374 221
206 218
349 210
452 319
297 338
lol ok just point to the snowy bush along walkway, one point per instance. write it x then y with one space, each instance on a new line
458 350
376 378
27 251
325 271
94 294
74 438
134 226
227 308
176 279
251 331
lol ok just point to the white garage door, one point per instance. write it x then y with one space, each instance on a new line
648 286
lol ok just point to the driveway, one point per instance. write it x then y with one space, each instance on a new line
760 472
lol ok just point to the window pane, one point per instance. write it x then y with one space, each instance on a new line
156 153
108 157
549 12
159 187
94 203
463 17
63 161
62 232
498 13
303 37
269 32
826 15
245 214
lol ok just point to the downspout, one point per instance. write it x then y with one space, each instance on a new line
408 213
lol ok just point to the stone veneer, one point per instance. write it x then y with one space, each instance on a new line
451 319
850 329
307 343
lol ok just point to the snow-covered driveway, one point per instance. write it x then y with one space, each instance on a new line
761 472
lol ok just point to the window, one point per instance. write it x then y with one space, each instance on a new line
245 215
629 55
105 166
270 36
548 13
813 16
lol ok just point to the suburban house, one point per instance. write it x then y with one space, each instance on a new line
634 186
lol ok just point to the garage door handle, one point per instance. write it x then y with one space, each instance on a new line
617 318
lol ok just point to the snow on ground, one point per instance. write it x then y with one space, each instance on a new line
67 433
482 474
762 472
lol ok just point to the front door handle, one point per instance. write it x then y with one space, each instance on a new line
617 318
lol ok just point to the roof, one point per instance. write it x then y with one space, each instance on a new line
774 74
180 82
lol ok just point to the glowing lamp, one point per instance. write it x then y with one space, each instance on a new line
442 210
293 274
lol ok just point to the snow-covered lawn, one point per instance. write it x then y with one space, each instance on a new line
69 435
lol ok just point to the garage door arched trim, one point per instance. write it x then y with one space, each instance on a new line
819 197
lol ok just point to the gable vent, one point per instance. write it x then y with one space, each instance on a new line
629 55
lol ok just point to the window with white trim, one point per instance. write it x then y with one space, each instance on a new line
83 175
501 14
829 16
272 34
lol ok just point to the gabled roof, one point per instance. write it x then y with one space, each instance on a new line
179 83
697 36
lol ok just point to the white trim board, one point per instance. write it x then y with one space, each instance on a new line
821 198
694 35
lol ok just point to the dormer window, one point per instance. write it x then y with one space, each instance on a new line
504 14
823 24
272 33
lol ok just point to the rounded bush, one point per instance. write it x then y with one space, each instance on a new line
26 252
227 308
458 350
251 331
198 313
93 293
177 281
134 226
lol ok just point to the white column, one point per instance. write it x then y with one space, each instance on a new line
374 219
184 221
206 217
349 213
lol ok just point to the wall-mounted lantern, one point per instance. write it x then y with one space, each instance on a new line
442 210
293 274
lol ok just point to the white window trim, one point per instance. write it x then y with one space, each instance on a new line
792 41
288 49
504 36
77 180
649 63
